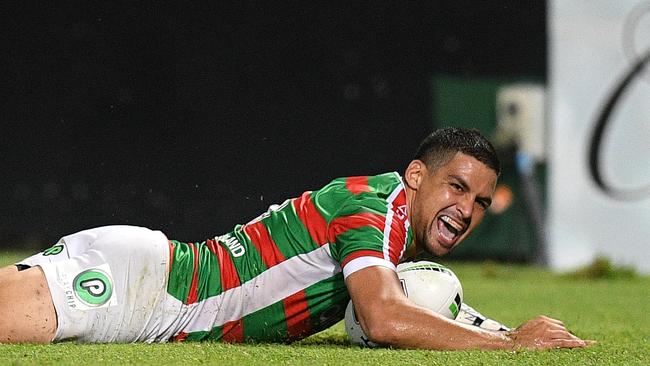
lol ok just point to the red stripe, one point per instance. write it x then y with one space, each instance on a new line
297 314
397 237
192 295
357 185
400 199
311 218
296 311
396 241
260 237
361 253
229 275
232 331
355 221
171 256
180 337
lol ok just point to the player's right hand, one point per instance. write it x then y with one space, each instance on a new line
543 332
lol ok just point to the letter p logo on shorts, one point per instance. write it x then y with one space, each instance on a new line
94 287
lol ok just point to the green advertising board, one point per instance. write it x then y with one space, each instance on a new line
512 234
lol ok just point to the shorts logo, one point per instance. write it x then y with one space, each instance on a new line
93 287
54 250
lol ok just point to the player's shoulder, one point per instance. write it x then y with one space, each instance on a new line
379 185
347 195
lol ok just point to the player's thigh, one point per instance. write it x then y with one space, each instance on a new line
28 313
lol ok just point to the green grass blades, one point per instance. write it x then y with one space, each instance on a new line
612 311
7 258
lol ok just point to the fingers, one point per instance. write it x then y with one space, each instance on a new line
546 319
566 343
543 332
560 334
551 320
556 343
557 331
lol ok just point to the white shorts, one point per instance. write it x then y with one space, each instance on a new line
109 284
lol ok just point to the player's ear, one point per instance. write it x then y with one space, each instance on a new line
414 174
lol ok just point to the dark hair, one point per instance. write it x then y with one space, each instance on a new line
443 144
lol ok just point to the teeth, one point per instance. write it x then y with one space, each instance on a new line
452 223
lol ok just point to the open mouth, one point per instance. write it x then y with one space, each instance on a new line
449 230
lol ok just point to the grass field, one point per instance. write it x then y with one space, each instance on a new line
614 311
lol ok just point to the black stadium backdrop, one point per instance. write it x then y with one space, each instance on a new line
190 118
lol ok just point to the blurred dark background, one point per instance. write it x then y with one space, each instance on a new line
191 118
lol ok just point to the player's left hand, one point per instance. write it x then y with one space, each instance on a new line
543 332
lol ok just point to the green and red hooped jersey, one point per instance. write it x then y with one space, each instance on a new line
280 277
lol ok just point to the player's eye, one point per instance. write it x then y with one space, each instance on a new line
483 204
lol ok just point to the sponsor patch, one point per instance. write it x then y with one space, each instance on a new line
92 289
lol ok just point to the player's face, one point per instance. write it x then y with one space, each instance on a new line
447 204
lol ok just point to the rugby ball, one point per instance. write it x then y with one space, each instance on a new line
427 284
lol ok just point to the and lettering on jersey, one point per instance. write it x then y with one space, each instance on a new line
233 245
280 277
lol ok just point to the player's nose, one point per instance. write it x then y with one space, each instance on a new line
465 206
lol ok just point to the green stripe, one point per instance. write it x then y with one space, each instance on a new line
266 325
381 187
384 184
326 301
289 233
362 238
180 276
200 336
249 265
209 275
364 203
330 198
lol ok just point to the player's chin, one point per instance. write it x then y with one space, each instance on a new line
438 249
439 245
442 247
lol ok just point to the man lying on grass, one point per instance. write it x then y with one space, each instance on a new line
285 275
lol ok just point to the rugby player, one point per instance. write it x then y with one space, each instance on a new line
283 276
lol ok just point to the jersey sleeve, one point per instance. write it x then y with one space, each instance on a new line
366 233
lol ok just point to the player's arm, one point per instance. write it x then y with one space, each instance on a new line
388 317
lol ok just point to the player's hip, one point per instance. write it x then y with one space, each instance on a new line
108 284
